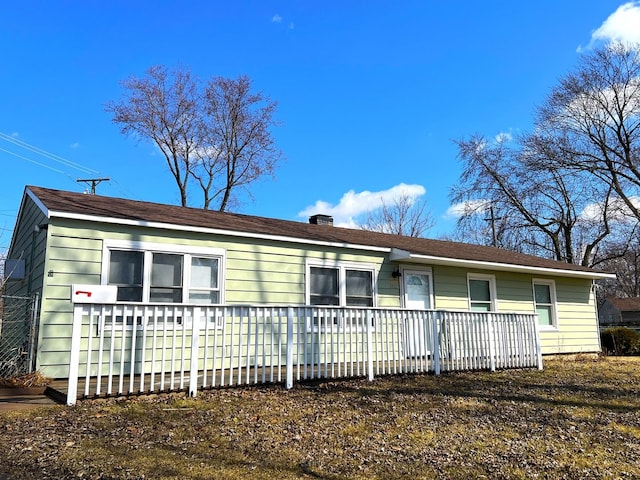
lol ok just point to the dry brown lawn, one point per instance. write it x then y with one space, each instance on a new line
575 419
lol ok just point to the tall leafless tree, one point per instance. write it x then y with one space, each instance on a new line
591 121
243 149
216 133
165 108
403 215
535 210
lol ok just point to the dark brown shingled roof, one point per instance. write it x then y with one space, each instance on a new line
131 210
631 304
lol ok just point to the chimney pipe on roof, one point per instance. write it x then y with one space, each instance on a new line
321 219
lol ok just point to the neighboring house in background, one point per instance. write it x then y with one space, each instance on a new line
161 254
620 312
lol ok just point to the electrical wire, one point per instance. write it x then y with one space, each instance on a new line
32 161
44 153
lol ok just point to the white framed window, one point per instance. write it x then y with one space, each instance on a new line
340 285
482 292
159 273
544 299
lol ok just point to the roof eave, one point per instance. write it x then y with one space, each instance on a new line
402 255
210 230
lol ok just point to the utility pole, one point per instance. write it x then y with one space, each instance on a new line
93 182
493 219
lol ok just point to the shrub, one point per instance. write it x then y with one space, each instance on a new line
620 341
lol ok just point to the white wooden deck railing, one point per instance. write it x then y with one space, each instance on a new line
130 348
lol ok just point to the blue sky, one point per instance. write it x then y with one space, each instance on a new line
371 94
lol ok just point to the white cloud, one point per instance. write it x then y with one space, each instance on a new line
291 26
276 18
467 208
503 137
74 145
618 210
622 26
354 204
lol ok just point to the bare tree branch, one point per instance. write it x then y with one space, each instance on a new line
217 134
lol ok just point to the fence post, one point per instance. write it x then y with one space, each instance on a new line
289 371
33 332
195 345
492 345
369 319
536 327
436 341
74 357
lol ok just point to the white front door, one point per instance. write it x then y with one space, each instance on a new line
417 289
417 296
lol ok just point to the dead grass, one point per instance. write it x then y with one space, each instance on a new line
35 379
578 418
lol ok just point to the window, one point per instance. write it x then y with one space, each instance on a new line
324 286
358 288
544 299
204 280
166 278
340 285
125 271
162 274
481 293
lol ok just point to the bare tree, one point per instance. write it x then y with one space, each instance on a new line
165 108
532 209
591 121
216 134
243 149
404 215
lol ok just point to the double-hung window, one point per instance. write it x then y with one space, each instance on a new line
544 296
340 285
159 273
481 292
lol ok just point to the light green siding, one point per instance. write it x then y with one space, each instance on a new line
265 272
577 326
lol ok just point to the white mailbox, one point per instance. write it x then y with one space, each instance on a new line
94 293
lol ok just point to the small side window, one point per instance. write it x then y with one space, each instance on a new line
481 294
544 299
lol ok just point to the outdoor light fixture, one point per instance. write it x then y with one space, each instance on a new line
396 273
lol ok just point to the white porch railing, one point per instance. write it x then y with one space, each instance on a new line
121 349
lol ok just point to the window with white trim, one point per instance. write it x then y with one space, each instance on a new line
163 274
544 297
481 292
340 285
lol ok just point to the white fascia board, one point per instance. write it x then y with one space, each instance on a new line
402 255
38 203
40 206
231 233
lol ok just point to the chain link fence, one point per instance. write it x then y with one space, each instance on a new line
17 335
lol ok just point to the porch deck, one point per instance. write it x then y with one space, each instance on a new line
127 349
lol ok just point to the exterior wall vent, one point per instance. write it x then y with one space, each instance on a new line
320 219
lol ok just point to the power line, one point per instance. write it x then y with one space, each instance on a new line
44 153
32 161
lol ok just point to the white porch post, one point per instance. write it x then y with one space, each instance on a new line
538 342
289 372
435 322
492 343
74 358
369 318
195 344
